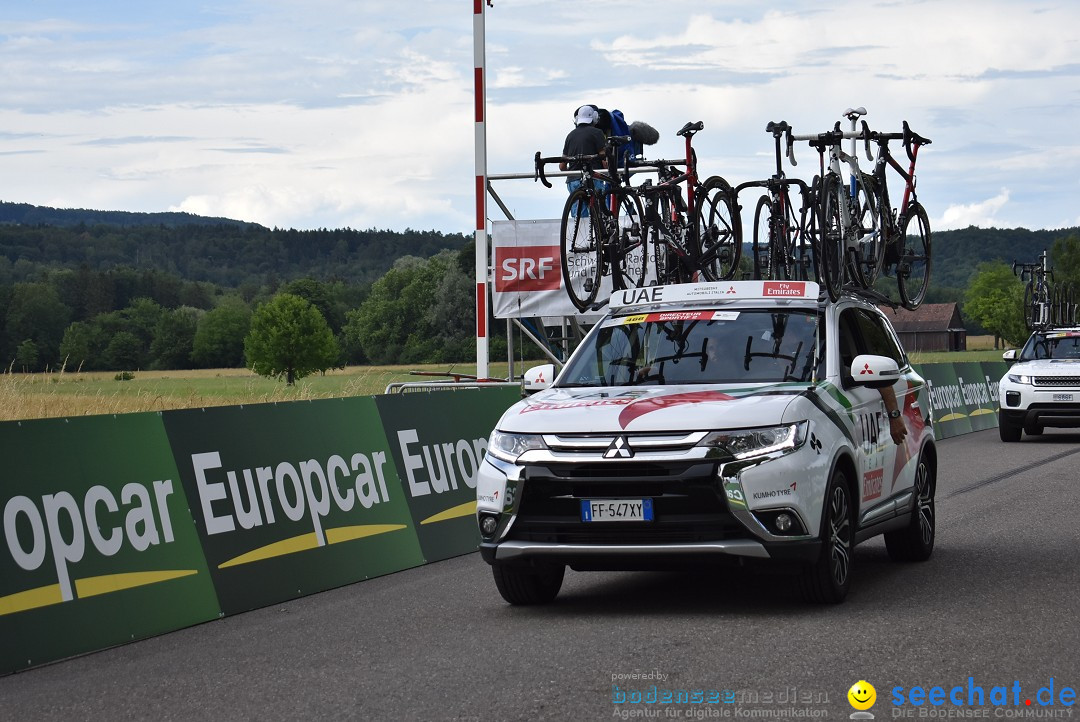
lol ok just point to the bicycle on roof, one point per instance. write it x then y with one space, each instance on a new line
698 236
849 242
601 228
783 237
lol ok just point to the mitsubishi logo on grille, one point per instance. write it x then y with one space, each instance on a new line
619 449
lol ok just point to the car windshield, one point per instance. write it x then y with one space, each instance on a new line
1052 345
700 347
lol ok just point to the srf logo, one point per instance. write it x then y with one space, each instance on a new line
527 268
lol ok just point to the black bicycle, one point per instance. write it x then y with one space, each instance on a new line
601 232
783 238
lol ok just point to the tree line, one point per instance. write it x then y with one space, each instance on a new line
122 291
419 311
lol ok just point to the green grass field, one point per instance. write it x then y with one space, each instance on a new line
61 394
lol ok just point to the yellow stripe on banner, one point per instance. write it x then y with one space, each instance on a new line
980 412
30 599
277 549
93 586
348 533
304 542
454 512
952 417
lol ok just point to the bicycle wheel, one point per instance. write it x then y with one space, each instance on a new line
913 266
658 215
869 249
581 247
717 232
831 237
626 251
1030 309
763 240
804 261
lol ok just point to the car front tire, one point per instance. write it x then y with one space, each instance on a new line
1008 430
828 579
521 585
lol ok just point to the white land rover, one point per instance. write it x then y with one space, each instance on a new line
734 422
1043 387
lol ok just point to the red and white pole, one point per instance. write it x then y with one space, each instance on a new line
479 89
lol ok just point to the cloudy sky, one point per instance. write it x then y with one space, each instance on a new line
356 113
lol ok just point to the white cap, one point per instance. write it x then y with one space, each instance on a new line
585 114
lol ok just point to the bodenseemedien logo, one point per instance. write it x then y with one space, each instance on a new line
862 696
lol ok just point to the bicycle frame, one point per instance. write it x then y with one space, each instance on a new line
778 187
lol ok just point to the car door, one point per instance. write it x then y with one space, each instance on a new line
897 474
870 419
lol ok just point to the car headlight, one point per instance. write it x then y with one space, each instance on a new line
748 443
509 447
1020 378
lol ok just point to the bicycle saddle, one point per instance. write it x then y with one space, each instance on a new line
853 113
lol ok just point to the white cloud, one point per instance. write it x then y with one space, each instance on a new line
331 113
982 214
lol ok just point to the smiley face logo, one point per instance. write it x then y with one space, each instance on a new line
862 695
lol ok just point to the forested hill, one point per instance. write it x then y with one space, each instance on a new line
224 252
28 215
956 254
230 253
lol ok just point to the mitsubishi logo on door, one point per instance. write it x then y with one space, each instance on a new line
619 449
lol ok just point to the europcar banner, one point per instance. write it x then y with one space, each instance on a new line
979 393
98 547
947 399
437 444
291 499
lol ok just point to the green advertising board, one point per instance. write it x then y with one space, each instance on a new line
98 547
979 400
291 499
950 411
438 440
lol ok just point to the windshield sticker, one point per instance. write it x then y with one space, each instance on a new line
644 406
677 316
1063 334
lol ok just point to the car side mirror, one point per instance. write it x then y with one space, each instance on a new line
874 372
1009 355
539 378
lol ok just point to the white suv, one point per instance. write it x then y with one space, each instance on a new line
651 450
1042 387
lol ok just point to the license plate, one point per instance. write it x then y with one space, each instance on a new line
616 510
1063 397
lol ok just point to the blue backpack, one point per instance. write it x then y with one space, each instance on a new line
612 123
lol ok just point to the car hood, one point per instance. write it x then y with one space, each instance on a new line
656 409
1047 367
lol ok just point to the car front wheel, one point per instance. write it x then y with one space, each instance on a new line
522 585
827 580
1008 430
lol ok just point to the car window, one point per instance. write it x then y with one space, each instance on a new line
1052 345
876 337
700 347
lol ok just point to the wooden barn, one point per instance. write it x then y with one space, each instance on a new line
930 327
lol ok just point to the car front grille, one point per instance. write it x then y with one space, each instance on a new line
1057 381
688 504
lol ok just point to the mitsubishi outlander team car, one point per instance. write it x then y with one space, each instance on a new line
741 422
1043 387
